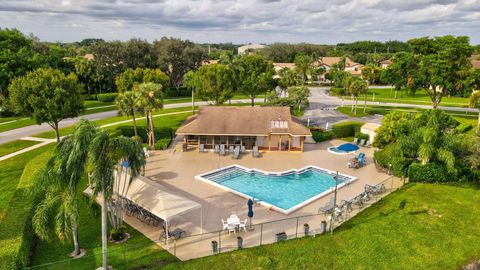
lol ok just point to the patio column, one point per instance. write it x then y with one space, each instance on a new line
289 143
269 142
301 143
280 143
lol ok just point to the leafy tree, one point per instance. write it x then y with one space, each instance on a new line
299 96
16 57
474 102
127 103
288 78
109 62
176 57
303 64
132 77
403 72
371 73
214 83
355 86
48 96
285 52
150 99
56 186
138 53
86 72
106 155
255 75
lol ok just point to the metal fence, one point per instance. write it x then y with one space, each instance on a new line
199 245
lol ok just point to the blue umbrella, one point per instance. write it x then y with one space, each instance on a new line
250 210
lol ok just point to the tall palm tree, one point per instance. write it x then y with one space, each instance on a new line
355 86
105 154
150 99
127 104
188 80
474 102
57 184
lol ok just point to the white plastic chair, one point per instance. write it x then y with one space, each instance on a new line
243 226
225 225
232 228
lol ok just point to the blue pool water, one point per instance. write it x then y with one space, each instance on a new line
283 191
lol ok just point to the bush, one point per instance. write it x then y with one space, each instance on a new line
337 91
118 234
16 232
463 128
389 155
137 138
362 136
90 97
321 136
346 129
160 133
429 173
162 144
107 97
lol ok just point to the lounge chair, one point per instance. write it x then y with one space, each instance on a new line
328 207
255 152
175 234
355 141
368 144
346 206
216 148
362 142
375 190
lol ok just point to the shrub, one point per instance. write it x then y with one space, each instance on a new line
118 234
16 232
137 138
429 173
463 128
346 129
321 136
160 133
389 155
90 97
337 91
162 144
107 97
361 136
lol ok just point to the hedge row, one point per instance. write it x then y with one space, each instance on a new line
16 232
428 173
321 136
346 129
107 97
160 133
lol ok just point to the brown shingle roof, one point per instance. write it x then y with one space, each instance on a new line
217 120
329 61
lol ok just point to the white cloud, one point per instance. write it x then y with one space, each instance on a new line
239 21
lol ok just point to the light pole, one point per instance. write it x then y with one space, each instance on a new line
334 209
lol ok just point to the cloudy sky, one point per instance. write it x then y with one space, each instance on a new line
243 21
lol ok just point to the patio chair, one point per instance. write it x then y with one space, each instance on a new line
346 206
224 224
355 141
368 144
201 148
255 152
216 148
362 142
222 150
243 225
231 148
328 207
243 149
175 234
236 152
232 228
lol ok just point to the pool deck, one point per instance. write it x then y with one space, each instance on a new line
175 171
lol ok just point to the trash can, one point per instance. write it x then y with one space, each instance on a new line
306 229
239 242
281 236
324 226
214 247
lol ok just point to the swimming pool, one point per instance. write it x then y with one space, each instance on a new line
343 149
284 192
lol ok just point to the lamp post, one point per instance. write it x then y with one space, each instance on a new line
334 203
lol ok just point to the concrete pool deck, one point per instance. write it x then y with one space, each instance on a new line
175 171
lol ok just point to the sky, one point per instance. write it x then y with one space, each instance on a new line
243 21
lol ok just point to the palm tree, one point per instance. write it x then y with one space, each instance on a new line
188 80
105 154
127 104
475 103
150 99
57 184
355 86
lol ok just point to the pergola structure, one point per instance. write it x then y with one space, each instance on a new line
269 128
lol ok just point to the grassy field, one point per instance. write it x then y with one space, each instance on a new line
420 97
138 253
437 229
10 172
14 146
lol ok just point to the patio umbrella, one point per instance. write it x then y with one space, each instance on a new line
250 211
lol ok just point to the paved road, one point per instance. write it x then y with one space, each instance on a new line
321 111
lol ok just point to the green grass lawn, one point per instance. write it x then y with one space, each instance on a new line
14 146
138 253
10 172
420 97
437 229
